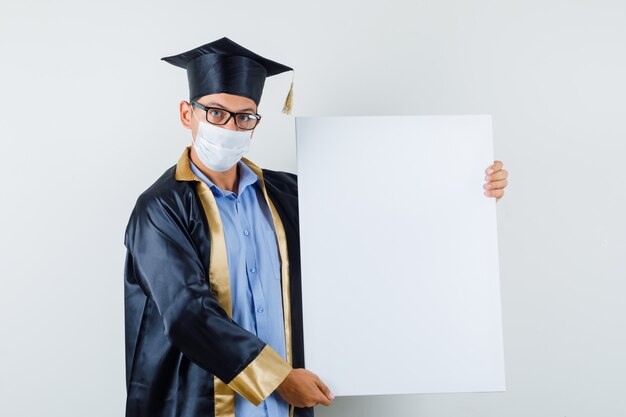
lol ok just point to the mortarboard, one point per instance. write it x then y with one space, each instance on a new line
223 66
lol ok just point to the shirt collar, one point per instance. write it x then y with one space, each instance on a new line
246 177
183 170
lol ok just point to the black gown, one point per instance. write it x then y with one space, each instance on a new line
181 344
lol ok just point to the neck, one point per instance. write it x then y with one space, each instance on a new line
226 180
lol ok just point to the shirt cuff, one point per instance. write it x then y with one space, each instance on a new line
261 377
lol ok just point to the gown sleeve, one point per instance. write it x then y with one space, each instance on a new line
163 260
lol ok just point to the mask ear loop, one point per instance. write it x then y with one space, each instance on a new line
193 112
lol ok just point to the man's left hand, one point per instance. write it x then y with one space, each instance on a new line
496 180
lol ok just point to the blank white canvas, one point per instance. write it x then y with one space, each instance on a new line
399 254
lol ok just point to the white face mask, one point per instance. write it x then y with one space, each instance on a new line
219 148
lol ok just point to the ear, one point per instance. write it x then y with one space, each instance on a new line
185 110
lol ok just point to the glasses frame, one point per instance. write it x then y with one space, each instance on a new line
231 114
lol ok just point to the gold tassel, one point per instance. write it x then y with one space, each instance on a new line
288 106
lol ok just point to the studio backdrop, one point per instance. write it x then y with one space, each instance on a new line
89 119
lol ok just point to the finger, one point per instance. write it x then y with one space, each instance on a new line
325 389
500 175
495 185
496 166
495 193
323 399
306 404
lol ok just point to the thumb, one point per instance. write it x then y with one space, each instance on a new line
325 390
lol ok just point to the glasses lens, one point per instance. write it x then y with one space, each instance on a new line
246 121
217 116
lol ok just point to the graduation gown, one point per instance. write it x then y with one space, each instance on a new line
185 356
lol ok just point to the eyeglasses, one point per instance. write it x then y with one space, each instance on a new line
217 116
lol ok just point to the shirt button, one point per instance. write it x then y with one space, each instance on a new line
252 270
260 309
245 232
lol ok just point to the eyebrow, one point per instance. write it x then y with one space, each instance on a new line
214 103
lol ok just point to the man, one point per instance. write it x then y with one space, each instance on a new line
212 275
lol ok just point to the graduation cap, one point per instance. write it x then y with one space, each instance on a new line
223 66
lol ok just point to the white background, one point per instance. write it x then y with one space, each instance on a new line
89 119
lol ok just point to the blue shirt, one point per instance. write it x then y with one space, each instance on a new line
254 270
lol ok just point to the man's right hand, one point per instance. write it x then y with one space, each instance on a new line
303 388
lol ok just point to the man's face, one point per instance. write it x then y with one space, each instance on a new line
230 102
